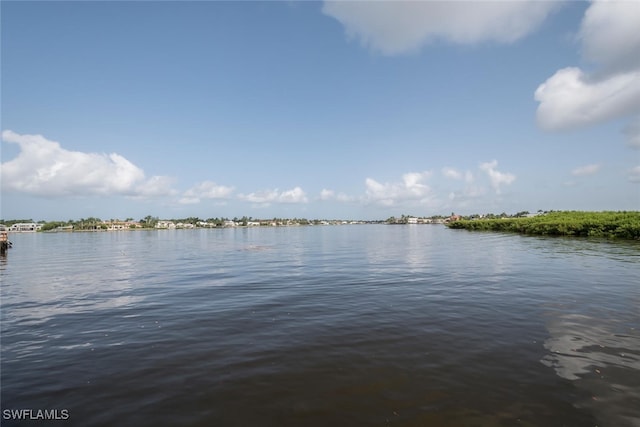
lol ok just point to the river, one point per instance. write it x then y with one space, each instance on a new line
351 325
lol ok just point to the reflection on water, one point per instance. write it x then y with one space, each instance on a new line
352 325
580 344
600 355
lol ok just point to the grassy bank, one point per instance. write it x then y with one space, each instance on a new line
623 225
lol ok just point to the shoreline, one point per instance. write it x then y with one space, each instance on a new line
611 225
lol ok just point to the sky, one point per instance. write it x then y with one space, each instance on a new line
319 110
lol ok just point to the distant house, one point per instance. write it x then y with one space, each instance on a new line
166 225
23 227
412 220
453 218
121 225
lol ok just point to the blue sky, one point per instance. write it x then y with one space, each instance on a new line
357 110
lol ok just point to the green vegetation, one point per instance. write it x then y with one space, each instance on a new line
48 226
10 222
624 225
149 221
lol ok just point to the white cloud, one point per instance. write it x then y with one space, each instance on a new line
571 99
206 190
44 168
634 174
610 38
412 187
451 173
395 27
266 197
295 195
260 197
632 132
496 177
585 170
467 196
327 194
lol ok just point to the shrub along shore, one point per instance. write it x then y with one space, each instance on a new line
623 225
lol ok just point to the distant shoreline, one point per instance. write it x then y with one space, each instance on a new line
618 225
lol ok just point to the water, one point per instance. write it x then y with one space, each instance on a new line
316 326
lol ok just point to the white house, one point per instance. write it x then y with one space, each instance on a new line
166 225
25 227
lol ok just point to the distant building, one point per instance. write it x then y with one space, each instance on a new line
121 225
453 218
166 225
23 227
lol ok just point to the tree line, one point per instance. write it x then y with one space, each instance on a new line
611 224
149 222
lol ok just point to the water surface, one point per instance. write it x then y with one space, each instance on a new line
332 325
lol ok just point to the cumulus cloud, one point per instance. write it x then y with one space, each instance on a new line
585 170
451 173
610 36
396 27
570 99
44 168
266 197
469 194
610 39
496 177
412 187
327 194
295 195
634 174
205 190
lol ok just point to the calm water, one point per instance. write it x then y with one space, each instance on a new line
322 326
